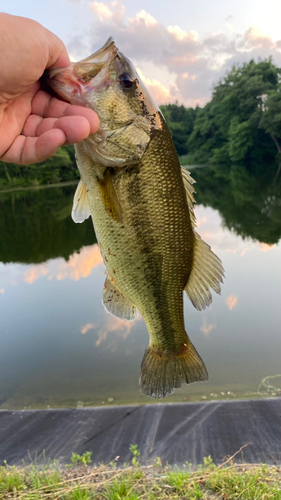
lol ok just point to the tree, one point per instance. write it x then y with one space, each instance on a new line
180 121
271 120
231 126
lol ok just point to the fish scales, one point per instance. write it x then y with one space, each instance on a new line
150 254
141 204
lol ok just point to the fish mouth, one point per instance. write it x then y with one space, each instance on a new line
90 74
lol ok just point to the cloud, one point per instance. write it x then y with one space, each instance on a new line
120 327
254 38
193 64
33 273
264 247
84 329
80 265
159 92
113 11
207 328
2 290
231 301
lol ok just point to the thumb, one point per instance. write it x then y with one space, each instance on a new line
58 56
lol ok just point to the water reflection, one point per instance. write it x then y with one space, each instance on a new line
60 348
247 200
206 328
231 301
35 226
79 265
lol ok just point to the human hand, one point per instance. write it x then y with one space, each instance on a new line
33 124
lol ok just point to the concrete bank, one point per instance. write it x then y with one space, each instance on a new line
175 432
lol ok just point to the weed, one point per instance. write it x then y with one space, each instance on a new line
135 482
134 449
77 459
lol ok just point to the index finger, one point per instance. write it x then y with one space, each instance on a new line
47 106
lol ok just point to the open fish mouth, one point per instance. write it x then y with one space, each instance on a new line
90 74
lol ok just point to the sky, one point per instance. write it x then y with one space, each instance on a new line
181 48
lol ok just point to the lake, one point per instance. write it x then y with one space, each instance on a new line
59 348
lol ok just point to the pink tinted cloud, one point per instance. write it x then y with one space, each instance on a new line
144 39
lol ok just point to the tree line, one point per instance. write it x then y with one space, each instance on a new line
60 168
241 124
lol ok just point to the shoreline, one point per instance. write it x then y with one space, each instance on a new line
44 186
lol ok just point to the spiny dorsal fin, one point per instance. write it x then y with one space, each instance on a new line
189 190
207 272
109 197
116 303
80 210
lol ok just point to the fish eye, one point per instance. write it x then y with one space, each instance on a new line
126 81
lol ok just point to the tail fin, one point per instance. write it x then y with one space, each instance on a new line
164 371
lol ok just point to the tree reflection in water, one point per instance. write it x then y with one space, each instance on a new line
36 226
248 203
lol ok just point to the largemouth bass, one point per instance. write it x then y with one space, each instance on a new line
141 203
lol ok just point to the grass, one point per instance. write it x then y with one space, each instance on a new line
134 482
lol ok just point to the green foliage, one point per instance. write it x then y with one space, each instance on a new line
231 126
240 139
134 449
271 118
84 459
180 121
241 123
60 168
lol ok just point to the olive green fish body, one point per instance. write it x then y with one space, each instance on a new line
149 253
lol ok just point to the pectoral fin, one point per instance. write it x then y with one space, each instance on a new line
109 197
116 303
80 210
207 272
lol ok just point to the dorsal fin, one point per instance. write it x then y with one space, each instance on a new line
189 190
80 209
116 303
207 272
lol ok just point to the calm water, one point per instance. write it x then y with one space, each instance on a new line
59 348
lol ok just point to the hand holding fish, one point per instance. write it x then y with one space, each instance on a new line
33 124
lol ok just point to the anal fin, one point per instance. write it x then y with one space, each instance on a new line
116 303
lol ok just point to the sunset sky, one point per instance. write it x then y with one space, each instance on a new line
181 48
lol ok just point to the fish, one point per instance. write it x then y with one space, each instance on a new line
142 205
